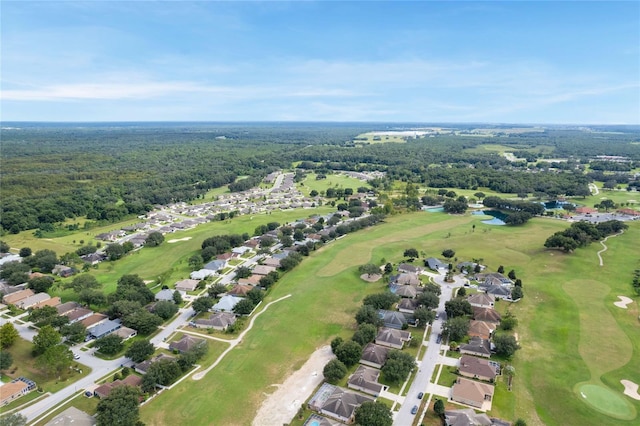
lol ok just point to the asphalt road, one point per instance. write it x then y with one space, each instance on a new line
430 358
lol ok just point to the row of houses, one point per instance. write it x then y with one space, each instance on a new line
15 389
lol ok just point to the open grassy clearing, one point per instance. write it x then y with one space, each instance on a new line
375 137
332 181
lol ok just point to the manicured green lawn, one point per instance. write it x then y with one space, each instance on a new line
332 180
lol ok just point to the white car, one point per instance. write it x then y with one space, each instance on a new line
76 356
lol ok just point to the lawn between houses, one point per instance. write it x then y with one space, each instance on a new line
326 292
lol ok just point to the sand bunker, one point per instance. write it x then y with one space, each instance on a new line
623 302
281 406
181 239
630 389
370 278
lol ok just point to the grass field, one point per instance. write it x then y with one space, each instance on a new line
570 332
333 180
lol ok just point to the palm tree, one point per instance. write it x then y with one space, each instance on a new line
509 371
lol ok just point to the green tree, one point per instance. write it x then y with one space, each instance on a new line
365 333
509 322
506 345
44 260
75 332
8 335
196 262
162 372
165 309
140 350
244 307
177 297
216 290
388 268
457 307
349 352
424 316
40 284
368 314
428 300
520 422
202 304
512 274
411 253
47 337
334 371
143 321
381 300
501 269
84 282
119 408
92 297
448 253
398 366
369 269
4 247
114 251
438 407
517 293
456 328
154 239
25 252
110 344
335 343
373 413
5 360
243 272
55 360
13 419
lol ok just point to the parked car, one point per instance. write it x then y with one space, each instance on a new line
76 356
439 338
414 409
420 395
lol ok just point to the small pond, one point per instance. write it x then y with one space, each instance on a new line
498 217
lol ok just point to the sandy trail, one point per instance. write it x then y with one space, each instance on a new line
623 302
281 406
630 389
179 239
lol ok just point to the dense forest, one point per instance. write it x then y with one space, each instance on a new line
106 172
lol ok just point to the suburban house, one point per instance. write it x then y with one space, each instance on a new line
468 267
405 279
481 329
166 295
493 278
94 258
31 301
478 368
143 367
475 394
240 290
15 389
215 265
239 251
226 304
365 379
66 307
392 338
93 320
405 291
272 261
252 280
487 315
317 420
408 306
78 314
337 403
15 297
263 269
104 328
477 346
436 264
54 301
72 417
218 321
201 274
395 319
63 271
468 417
482 300
374 355
125 333
186 343
104 390
187 285
407 267
225 257
498 291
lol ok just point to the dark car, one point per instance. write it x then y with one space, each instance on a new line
439 338
414 409
420 395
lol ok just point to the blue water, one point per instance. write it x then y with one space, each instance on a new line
498 217
435 209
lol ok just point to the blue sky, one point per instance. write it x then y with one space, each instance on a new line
506 62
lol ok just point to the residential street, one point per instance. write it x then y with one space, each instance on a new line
431 356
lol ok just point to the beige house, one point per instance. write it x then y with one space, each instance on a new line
478 368
472 393
12 391
15 297
392 338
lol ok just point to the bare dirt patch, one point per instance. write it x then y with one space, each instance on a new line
630 389
623 302
281 406
370 278
178 240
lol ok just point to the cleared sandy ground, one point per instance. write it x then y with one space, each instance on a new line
630 389
281 406
180 239
623 302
